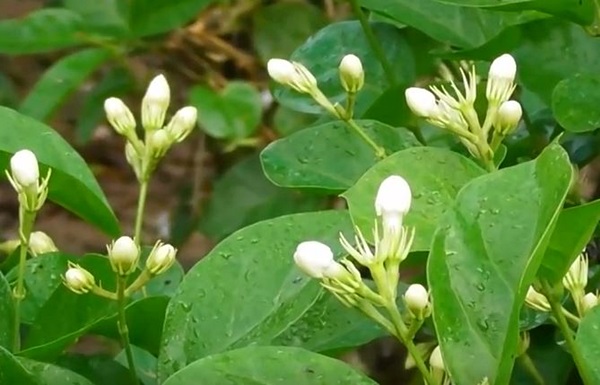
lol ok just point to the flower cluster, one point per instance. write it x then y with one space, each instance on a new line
144 155
455 111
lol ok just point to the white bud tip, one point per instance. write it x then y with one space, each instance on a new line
158 89
435 360
280 70
24 168
589 301
123 255
503 67
114 107
314 258
421 101
351 65
161 259
510 111
416 297
393 197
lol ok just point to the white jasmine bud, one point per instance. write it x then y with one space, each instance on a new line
120 117
589 301
536 300
416 299
78 279
155 103
161 258
501 79
41 243
393 201
315 259
182 124
123 255
158 143
577 277
435 360
352 75
24 170
508 117
134 159
423 349
421 102
293 75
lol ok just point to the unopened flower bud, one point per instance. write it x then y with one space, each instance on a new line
352 75
134 159
41 243
161 258
78 279
123 255
120 117
501 79
577 277
393 202
421 102
416 299
158 142
589 301
155 103
435 360
24 170
315 259
293 75
182 124
537 300
508 117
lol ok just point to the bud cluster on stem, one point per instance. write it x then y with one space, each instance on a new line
455 111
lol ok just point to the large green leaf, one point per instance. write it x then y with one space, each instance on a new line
101 369
573 231
330 156
269 365
106 17
152 17
256 264
459 26
588 343
58 82
575 101
322 54
7 315
547 42
41 31
13 371
435 176
72 185
484 256
49 374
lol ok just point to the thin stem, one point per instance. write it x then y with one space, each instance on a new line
139 218
373 42
567 332
26 220
123 329
139 282
531 369
350 101
379 151
571 317
402 335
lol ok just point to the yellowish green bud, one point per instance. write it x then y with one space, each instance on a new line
508 117
416 299
155 103
78 279
537 300
589 301
352 75
158 143
120 117
182 124
293 75
576 278
161 258
123 255
41 243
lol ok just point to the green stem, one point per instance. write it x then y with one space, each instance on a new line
529 366
350 101
123 328
379 151
26 221
139 218
571 317
567 332
373 42
139 282
402 335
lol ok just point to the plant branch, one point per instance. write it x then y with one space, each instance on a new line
139 218
123 328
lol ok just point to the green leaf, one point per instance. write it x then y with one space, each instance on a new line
13 372
58 82
41 31
463 27
152 17
270 292
72 184
7 320
269 365
99 368
145 364
573 231
322 54
575 101
49 374
330 156
106 17
546 42
270 42
243 196
588 343
232 114
287 121
477 283
435 176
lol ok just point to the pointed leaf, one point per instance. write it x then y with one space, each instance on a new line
13 371
588 343
7 315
